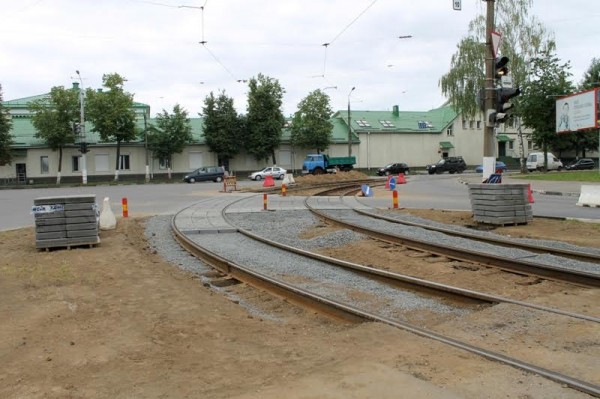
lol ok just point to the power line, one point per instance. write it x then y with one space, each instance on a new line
352 22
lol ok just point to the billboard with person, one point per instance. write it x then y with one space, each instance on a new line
577 111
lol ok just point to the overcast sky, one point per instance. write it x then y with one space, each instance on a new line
156 46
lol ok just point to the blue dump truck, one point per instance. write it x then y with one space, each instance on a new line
318 164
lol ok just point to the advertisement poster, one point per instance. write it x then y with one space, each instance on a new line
577 112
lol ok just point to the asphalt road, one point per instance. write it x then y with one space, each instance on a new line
421 191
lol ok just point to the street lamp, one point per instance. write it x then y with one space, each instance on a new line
350 125
82 132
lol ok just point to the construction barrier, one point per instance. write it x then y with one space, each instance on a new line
289 179
269 182
395 199
264 202
387 183
229 184
529 194
589 196
124 205
283 189
401 179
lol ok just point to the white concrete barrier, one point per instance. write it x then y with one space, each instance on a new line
289 179
589 196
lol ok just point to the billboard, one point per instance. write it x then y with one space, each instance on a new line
577 112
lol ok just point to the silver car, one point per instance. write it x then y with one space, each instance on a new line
275 171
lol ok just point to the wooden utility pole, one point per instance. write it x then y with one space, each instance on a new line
488 135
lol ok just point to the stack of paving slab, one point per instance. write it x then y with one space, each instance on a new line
65 221
500 204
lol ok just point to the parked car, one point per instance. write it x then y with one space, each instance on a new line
535 161
206 173
275 171
394 169
581 164
449 164
501 166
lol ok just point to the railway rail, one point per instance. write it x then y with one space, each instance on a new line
346 311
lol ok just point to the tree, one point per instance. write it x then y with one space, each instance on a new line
172 133
222 127
6 139
55 119
523 38
311 127
588 139
264 119
111 113
548 79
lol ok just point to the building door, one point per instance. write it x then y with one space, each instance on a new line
21 170
502 149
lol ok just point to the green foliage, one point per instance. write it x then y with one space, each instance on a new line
311 127
111 112
548 79
54 118
172 133
591 77
264 119
6 139
222 127
523 38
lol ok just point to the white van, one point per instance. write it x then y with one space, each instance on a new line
535 161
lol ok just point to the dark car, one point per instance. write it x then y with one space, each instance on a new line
449 164
581 164
394 169
206 173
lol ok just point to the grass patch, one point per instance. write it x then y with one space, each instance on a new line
579 175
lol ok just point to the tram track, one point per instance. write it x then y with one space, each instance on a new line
338 309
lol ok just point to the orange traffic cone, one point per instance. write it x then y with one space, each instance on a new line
529 194
387 183
269 181
401 179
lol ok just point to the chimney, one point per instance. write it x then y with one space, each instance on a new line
75 86
396 110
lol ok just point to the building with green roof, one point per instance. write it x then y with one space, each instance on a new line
376 139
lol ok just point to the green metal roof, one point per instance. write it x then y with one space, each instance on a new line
502 138
446 145
432 121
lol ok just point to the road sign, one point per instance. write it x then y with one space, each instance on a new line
393 183
506 82
496 40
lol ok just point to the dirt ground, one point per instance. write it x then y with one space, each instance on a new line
117 321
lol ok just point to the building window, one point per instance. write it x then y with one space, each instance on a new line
529 145
124 162
75 163
362 123
510 145
511 122
163 163
387 124
101 162
464 124
471 124
479 125
450 131
44 165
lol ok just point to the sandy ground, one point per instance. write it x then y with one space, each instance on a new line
116 321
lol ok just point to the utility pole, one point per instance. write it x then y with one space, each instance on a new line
350 125
488 137
146 146
82 132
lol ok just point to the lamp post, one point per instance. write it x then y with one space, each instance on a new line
146 145
350 125
82 132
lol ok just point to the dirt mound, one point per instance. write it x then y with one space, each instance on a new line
340 176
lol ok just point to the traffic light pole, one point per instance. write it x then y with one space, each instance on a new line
82 132
488 137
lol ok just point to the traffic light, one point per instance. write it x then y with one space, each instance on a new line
500 67
503 104
83 147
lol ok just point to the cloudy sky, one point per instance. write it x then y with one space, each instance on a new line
156 46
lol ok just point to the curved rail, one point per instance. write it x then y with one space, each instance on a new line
513 265
349 312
